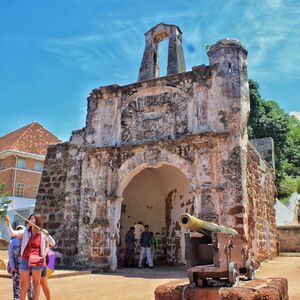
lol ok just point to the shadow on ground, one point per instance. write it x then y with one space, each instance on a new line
158 272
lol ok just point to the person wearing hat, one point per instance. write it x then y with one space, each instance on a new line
14 254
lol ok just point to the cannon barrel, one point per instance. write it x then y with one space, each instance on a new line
193 223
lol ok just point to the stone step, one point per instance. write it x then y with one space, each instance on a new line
290 254
56 274
271 288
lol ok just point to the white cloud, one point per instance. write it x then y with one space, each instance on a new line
98 51
296 114
272 38
270 30
274 4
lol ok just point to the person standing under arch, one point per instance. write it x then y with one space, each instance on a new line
129 260
145 242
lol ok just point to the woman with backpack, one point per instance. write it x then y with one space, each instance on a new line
33 252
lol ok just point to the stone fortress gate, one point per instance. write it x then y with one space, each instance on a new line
155 149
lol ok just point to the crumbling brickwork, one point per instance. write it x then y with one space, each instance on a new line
259 213
185 135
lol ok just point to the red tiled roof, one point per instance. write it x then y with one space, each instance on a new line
32 138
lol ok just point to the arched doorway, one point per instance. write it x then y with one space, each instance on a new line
157 197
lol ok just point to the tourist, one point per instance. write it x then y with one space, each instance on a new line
14 253
145 242
33 249
129 258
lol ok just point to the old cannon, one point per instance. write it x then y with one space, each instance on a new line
214 252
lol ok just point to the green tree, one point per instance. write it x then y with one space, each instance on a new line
292 150
268 119
3 199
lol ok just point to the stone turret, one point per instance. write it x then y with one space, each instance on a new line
150 64
228 60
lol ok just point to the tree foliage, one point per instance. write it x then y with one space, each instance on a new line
3 199
268 119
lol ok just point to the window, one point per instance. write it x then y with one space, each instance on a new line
19 191
2 165
38 166
21 163
35 190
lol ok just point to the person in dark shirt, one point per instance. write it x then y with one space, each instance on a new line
145 242
129 260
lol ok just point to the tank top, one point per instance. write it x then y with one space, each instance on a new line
33 246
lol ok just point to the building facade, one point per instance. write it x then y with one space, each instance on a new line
155 149
22 155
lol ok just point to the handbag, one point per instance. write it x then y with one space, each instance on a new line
35 260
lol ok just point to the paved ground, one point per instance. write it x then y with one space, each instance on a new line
284 266
133 284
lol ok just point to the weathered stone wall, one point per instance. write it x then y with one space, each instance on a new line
59 198
259 212
193 121
51 193
265 146
289 240
150 63
111 169
268 289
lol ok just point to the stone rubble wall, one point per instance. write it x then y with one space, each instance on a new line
268 289
259 213
58 196
51 194
289 240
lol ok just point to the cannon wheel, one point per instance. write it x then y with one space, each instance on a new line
233 273
250 269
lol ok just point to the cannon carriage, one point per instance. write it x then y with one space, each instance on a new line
214 252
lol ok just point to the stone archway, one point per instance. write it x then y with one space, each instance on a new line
157 197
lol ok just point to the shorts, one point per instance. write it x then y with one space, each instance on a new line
44 272
24 266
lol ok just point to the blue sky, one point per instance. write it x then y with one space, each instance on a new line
54 52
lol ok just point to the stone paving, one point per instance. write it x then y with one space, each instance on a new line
137 284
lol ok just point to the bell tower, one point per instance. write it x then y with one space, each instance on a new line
150 63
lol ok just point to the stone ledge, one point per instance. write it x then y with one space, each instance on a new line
56 274
269 289
290 254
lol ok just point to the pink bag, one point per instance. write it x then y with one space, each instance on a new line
35 260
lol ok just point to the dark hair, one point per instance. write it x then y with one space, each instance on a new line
146 226
39 220
131 228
